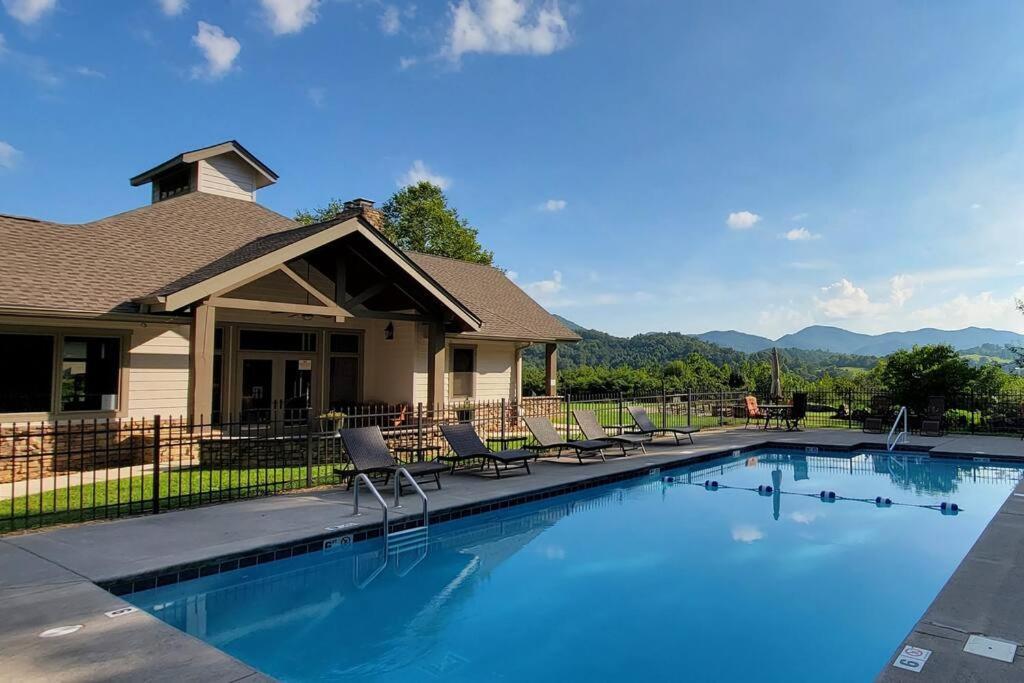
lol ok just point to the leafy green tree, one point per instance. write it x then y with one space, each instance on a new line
934 370
418 218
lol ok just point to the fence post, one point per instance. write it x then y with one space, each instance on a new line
156 464
419 431
972 411
621 429
664 406
689 406
849 410
503 399
309 450
568 415
721 408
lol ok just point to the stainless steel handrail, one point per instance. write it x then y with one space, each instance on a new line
383 506
402 472
890 442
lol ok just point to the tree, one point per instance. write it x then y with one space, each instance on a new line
934 370
417 218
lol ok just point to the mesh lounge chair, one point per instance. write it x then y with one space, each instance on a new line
369 454
467 446
647 428
881 412
547 438
931 421
592 429
754 413
797 412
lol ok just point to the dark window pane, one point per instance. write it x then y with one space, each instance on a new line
26 366
89 373
218 368
218 339
257 389
344 387
463 367
268 340
344 343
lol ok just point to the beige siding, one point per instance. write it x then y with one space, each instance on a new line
228 176
158 371
388 364
276 287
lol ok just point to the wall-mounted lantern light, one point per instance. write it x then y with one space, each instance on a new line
389 331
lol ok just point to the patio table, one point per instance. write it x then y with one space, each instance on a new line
776 411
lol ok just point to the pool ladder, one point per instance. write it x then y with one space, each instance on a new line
894 438
398 543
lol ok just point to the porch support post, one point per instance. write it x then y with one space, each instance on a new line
202 362
517 374
551 369
436 364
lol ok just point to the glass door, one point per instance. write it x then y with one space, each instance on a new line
257 390
297 398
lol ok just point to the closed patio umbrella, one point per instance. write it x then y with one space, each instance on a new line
776 390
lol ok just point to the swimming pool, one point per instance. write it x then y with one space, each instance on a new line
669 580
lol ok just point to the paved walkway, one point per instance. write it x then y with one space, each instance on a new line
49 576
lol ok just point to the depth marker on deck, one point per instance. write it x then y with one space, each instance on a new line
912 658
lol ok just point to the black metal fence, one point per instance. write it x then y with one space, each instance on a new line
71 471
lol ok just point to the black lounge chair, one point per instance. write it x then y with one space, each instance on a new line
934 414
547 438
881 413
647 428
592 429
369 454
467 446
797 412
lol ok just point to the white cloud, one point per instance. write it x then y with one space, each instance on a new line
745 533
173 8
391 20
29 11
742 220
843 299
512 275
797 217
290 16
803 517
506 27
800 235
419 172
220 51
982 310
406 62
89 72
975 206
777 320
9 156
545 290
900 289
554 205
317 96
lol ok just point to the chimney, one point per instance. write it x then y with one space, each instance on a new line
365 207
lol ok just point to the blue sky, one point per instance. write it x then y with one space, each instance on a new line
636 166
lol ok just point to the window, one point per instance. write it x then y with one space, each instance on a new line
343 386
175 183
272 340
90 373
463 369
26 366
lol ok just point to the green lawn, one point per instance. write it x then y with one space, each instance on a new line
132 495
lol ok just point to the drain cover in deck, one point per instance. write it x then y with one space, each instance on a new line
992 648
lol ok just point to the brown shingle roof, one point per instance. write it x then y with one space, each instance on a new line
103 266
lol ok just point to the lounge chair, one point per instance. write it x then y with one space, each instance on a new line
797 412
592 430
932 420
547 438
647 428
467 446
754 413
881 412
369 454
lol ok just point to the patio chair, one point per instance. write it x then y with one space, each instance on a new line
797 412
547 438
467 447
880 412
647 428
933 418
754 413
592 429
370 455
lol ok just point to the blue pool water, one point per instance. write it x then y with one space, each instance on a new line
668 581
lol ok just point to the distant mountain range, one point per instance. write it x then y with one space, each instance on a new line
838 340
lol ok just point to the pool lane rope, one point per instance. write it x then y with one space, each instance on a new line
946 508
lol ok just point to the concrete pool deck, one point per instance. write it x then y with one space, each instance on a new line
49 577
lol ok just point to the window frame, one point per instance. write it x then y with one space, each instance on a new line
59 334
451 371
